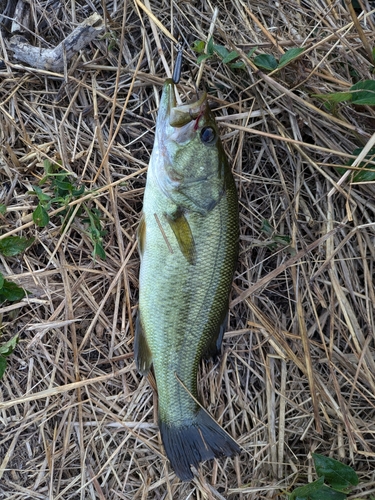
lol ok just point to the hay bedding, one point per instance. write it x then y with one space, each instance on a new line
297 373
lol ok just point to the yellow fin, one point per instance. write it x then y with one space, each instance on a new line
184 236
142 352
141 235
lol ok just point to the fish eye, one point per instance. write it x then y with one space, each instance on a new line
208 135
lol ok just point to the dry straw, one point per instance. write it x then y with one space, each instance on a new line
298 370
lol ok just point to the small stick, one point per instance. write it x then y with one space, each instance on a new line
361 33
210 34
53 59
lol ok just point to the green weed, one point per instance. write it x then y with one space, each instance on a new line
361 93
364 172
5 351
9 291
334 482
264 61
274 239
9 247
64 190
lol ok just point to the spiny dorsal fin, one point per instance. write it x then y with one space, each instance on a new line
182 231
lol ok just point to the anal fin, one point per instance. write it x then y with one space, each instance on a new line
213 350
142 352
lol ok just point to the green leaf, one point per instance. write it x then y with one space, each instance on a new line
283 240
49 167
63 186
79 191
40 216
251 52
42 197
373 54
12 292
265 61
3 365
202 58
210 47
7 348
363 93
1 281
93 219
267 228
271 233
3 209
221 51
236 65
336 474
304 492
230 57
335 96
361 175
198 46
99 251
326 493
13 245
289 56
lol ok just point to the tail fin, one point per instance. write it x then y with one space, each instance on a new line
190 444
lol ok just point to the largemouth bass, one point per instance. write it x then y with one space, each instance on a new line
188 239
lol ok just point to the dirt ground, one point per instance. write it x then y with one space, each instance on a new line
297 373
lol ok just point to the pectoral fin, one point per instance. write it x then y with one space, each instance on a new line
142 352
182 231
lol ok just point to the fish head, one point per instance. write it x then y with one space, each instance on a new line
191 166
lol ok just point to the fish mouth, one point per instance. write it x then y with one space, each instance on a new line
184 114
171 115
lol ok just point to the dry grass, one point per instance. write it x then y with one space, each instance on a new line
298 370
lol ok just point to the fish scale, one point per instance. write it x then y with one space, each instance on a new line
188 240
